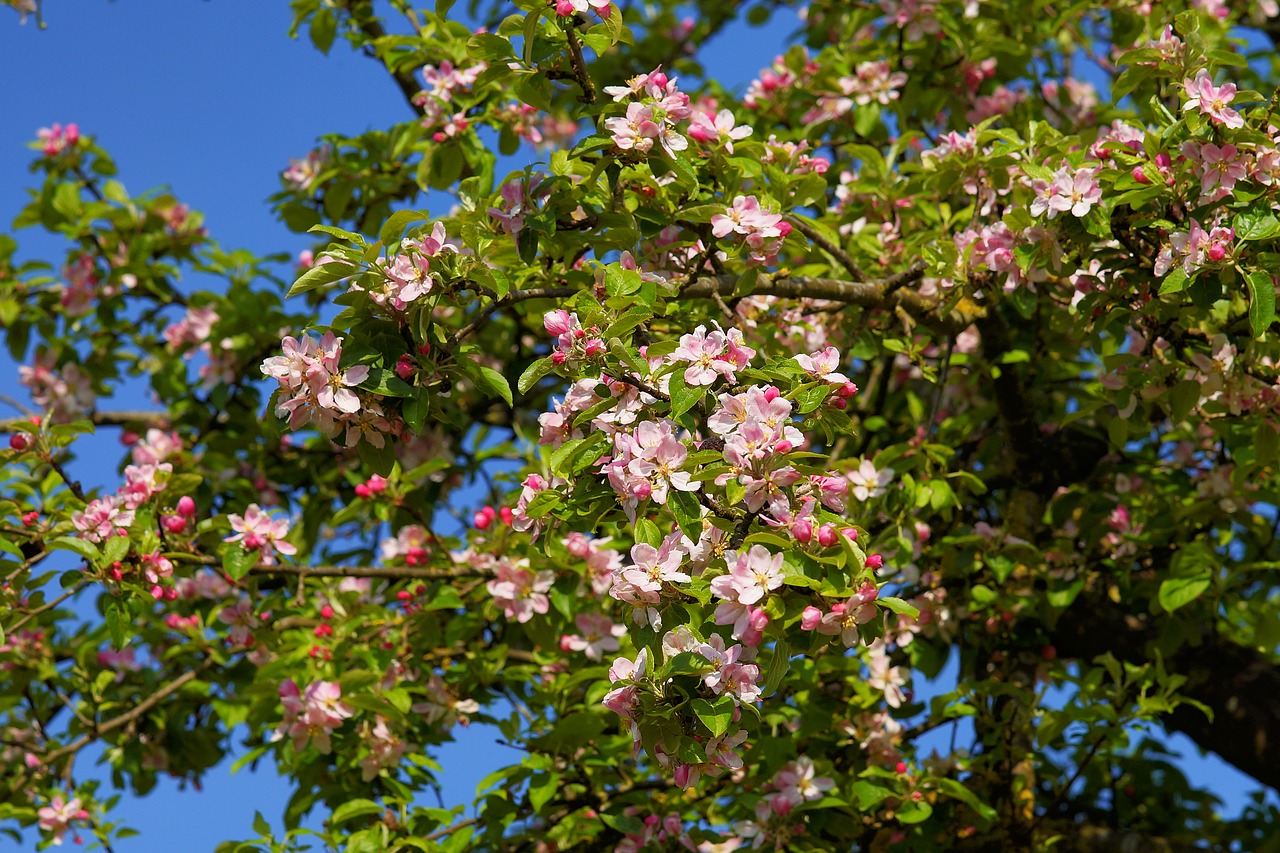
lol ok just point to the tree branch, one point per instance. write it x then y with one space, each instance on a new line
887 293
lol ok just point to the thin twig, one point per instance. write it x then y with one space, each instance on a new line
73 485
45 608
837 252
579 65
482 316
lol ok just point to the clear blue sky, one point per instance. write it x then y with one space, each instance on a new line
211 99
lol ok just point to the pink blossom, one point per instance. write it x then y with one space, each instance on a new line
719 127
869 482
258 531
103 518
58 816
519 591
1204 97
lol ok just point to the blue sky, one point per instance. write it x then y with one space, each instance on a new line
211 99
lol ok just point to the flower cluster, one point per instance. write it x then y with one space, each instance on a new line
312 715
258 531
763 232
57 139
58 816
66 394
653 117
318 391
519 591
442 83
407 276
301 174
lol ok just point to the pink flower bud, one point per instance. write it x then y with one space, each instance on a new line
362 490
19 442
682 775
783 446
642 490
771 393
557 322
848 389
506 515
558 357
851 533
175 523
1215 252
780 805
425 349
810 618
481 520
129 439
326 612
1140 175
157 592
377 484
838 403
186 507
874 561
802 530
405 369
827 535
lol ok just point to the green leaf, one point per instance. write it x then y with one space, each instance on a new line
324 28
1262 302
1174 282
82 547
869 795
533 373
340 233
776 668
1178 592
683 396
386 383
913 811
1259 224
320 275
716 717
488 47
355 808
496 382
687 511
897 605
395 224
957 791
117 618
543 502
115 549
236 561
379 460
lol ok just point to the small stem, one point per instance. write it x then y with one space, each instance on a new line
579 65
831 248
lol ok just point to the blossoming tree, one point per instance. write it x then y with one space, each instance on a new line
687 448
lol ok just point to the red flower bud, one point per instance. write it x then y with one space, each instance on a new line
19 442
